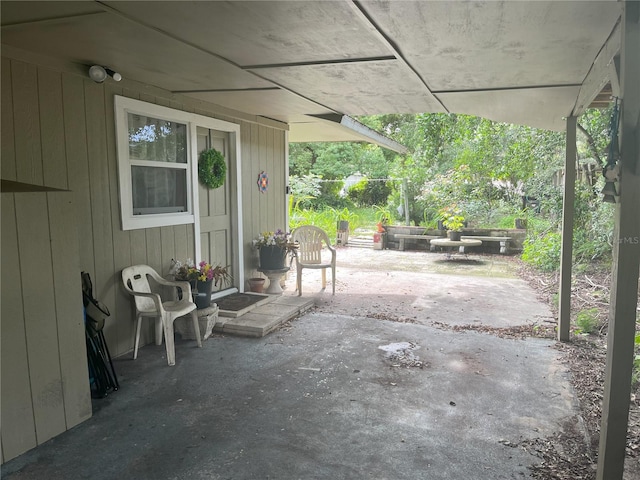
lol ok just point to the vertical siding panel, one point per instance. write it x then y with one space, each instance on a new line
138 247
121 239
180 239
26 123
168 249
125 308
154 249
274 181
279 162
8 163
69 312
78 166
191 246
18 427
39 308
154 260
54 163
262 162
104 277
254 162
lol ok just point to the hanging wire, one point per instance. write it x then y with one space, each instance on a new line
367 179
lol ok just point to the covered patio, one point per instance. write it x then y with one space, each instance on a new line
375 383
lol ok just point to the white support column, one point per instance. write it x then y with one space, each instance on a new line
626 260
564 307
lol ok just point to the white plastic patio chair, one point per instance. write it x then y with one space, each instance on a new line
148 304
311 242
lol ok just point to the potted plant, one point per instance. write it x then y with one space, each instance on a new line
202 278
453 221
273 248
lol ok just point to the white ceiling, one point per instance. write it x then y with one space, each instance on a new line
523 62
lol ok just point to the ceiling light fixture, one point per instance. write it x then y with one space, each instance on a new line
99 74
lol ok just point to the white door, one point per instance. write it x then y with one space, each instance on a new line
216 244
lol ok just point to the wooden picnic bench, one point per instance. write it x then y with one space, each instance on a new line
504 241
406 236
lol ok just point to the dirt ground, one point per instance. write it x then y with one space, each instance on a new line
409 287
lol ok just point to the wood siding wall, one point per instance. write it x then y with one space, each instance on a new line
58 131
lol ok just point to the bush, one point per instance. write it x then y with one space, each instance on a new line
543 251
587 320
369 193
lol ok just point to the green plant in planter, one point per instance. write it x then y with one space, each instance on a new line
452 219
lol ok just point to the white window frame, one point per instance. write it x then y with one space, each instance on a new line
124 106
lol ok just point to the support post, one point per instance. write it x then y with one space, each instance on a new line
626 261
566 253
405 191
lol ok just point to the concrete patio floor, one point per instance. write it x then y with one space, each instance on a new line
364 386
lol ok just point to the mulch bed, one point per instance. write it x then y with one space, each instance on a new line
567 454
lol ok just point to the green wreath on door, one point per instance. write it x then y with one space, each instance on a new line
212 169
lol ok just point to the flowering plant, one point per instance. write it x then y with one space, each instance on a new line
452 218
278 238
203 272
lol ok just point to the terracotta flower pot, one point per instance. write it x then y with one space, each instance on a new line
256 285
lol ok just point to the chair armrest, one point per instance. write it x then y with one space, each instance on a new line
333 253
153 296
184 286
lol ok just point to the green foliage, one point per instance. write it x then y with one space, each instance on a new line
587 320
484 167
542 250
451 218
369 193
303 190
326 218
635 374
382 214
345 215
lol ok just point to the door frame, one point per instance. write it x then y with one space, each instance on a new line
233 172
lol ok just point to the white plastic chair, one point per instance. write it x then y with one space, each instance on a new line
149 304
311 242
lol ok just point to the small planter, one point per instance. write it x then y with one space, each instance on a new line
454 235
256 284
203 298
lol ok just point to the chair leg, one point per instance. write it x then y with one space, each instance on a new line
299 280
169 341
196 328
136 343
324 278
159 327
333 278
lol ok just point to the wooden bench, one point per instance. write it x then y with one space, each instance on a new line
504 241
406 236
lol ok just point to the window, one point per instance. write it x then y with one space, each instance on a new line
155 171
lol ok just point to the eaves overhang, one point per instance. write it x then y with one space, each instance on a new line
340 128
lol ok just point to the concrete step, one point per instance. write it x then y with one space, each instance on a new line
361 242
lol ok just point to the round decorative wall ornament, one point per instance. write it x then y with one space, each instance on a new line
263 182
212 169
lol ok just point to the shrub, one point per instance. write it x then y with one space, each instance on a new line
587 320
368 193
543 251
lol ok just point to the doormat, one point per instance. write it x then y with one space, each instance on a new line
238 302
